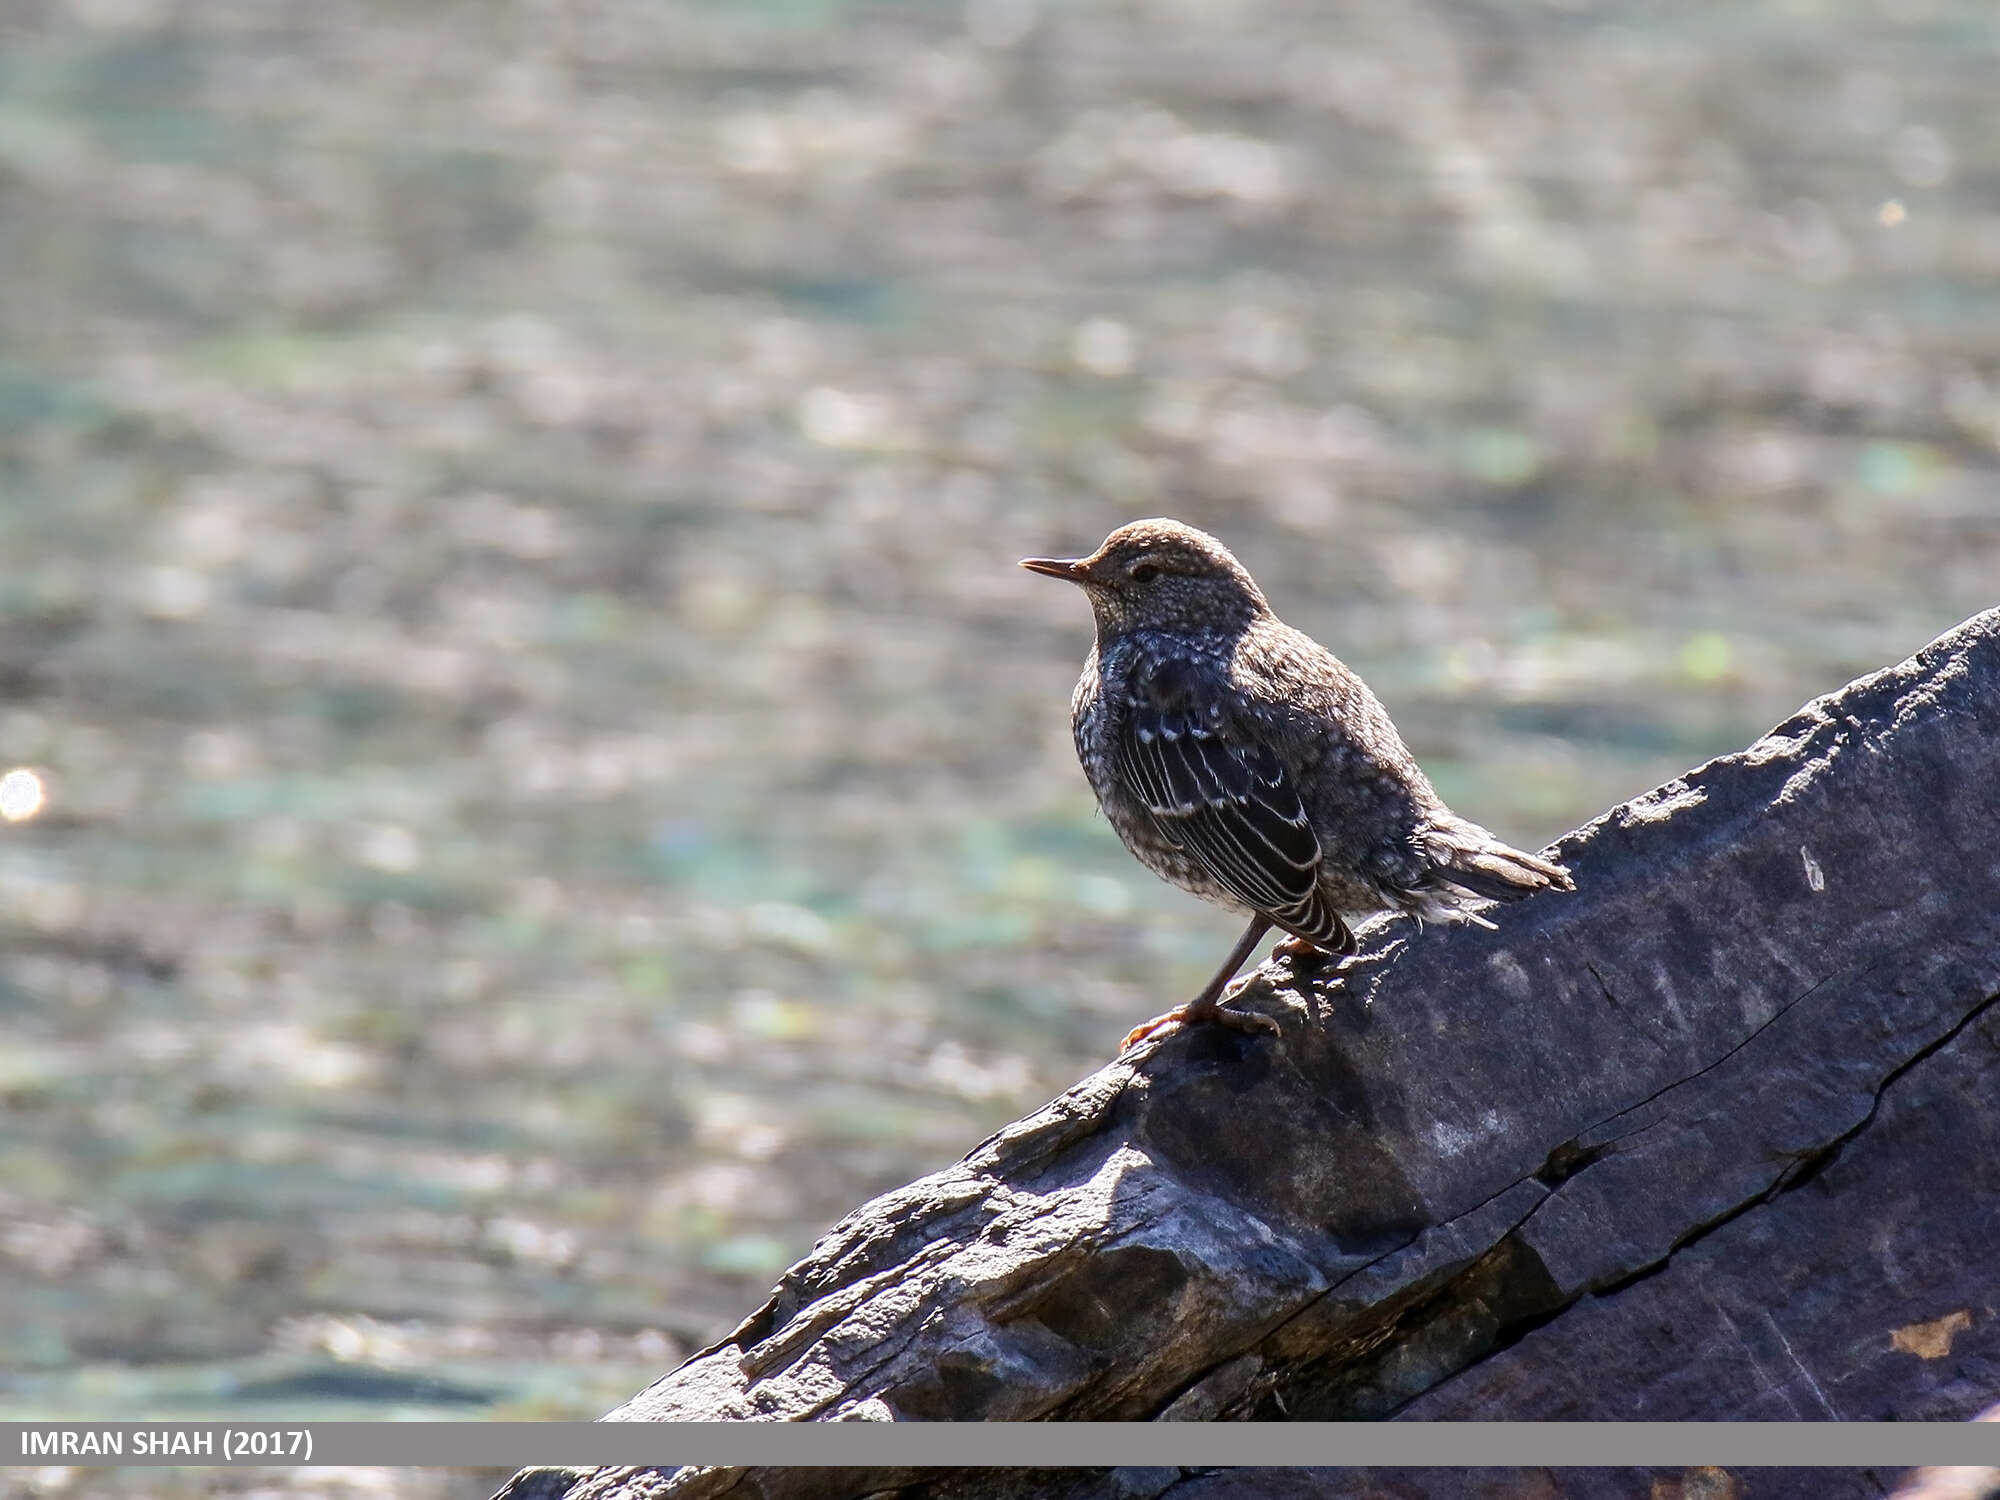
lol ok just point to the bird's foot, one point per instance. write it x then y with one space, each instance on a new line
1304 952
1306 958
1299 949
1194 1013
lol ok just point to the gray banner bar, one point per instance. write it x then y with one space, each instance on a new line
1003 1444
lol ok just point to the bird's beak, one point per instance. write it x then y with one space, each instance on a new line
1072 569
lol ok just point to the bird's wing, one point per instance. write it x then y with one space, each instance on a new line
1222 796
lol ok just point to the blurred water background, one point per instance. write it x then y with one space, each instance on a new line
551 786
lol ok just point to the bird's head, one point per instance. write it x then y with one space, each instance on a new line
1160 575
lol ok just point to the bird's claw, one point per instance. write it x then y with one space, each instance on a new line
1187 1015
1307 957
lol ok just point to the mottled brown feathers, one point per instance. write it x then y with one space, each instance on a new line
1242 761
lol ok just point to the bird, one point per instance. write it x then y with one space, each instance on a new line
1242 761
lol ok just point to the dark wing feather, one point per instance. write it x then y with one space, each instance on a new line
1222 797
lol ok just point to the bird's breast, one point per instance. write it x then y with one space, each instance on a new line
1094 719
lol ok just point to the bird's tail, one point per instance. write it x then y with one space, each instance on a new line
1467 856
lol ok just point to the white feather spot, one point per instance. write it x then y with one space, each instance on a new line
1815 876
1145 736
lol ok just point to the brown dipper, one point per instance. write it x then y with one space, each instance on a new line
1243 762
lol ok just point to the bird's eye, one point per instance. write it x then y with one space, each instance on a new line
1145 573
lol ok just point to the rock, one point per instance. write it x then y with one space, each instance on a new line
1716 1136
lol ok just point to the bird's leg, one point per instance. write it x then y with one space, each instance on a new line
1207 1006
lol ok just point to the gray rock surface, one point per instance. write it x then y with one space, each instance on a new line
1718 1135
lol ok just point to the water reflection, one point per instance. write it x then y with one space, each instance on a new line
21 795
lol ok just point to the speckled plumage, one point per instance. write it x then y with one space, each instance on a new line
1242 761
